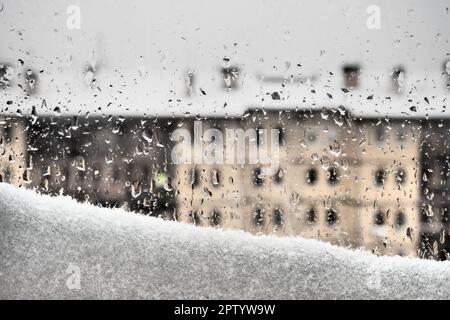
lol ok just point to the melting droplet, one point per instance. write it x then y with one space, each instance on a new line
136 189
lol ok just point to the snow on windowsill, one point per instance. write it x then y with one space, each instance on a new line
56 248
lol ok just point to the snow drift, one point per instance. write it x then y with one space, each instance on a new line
56 248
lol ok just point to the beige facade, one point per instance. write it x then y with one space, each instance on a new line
326 187
350 182
390 186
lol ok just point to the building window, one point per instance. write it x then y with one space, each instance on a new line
257 178
280 135
6 73
195 218
31 81
401 134
116 174
379 218
278 176
380 133
190 83
351 75
311 176
333 175
380 177
258 217
259 134
277 218
8 132
332 216
311 216
6 175
230 76
216 218
400 176
398 79
447 72
400 219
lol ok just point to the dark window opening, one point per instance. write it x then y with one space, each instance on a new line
380 177
230 77
351 75
277 218
5 76
333 175
8 131
400 176
401 135
7 175
447 72
380 133
311 176
258 217
379 218
400 219
278 176
332 217
257 178
280 135
31 81
81 176
398 79
216 218
259 134
311 216
195 218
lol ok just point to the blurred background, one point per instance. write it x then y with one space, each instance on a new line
90 93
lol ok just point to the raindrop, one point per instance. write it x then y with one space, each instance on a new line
80 164
335 148
215 177
57 110
136 189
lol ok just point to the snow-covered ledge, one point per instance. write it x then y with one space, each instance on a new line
57 248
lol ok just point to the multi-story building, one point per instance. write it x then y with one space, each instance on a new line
107 161
347 181
435 198
390 185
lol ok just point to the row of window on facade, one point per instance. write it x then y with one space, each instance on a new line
351 74
230 75
311 217
311 177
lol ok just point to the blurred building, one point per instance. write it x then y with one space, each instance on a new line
13 150
379 183
374 183
351 182
111 161
435 178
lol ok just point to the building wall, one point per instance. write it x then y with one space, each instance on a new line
326 185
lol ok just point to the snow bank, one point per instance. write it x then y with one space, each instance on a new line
57 248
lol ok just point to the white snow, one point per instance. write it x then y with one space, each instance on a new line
48 244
